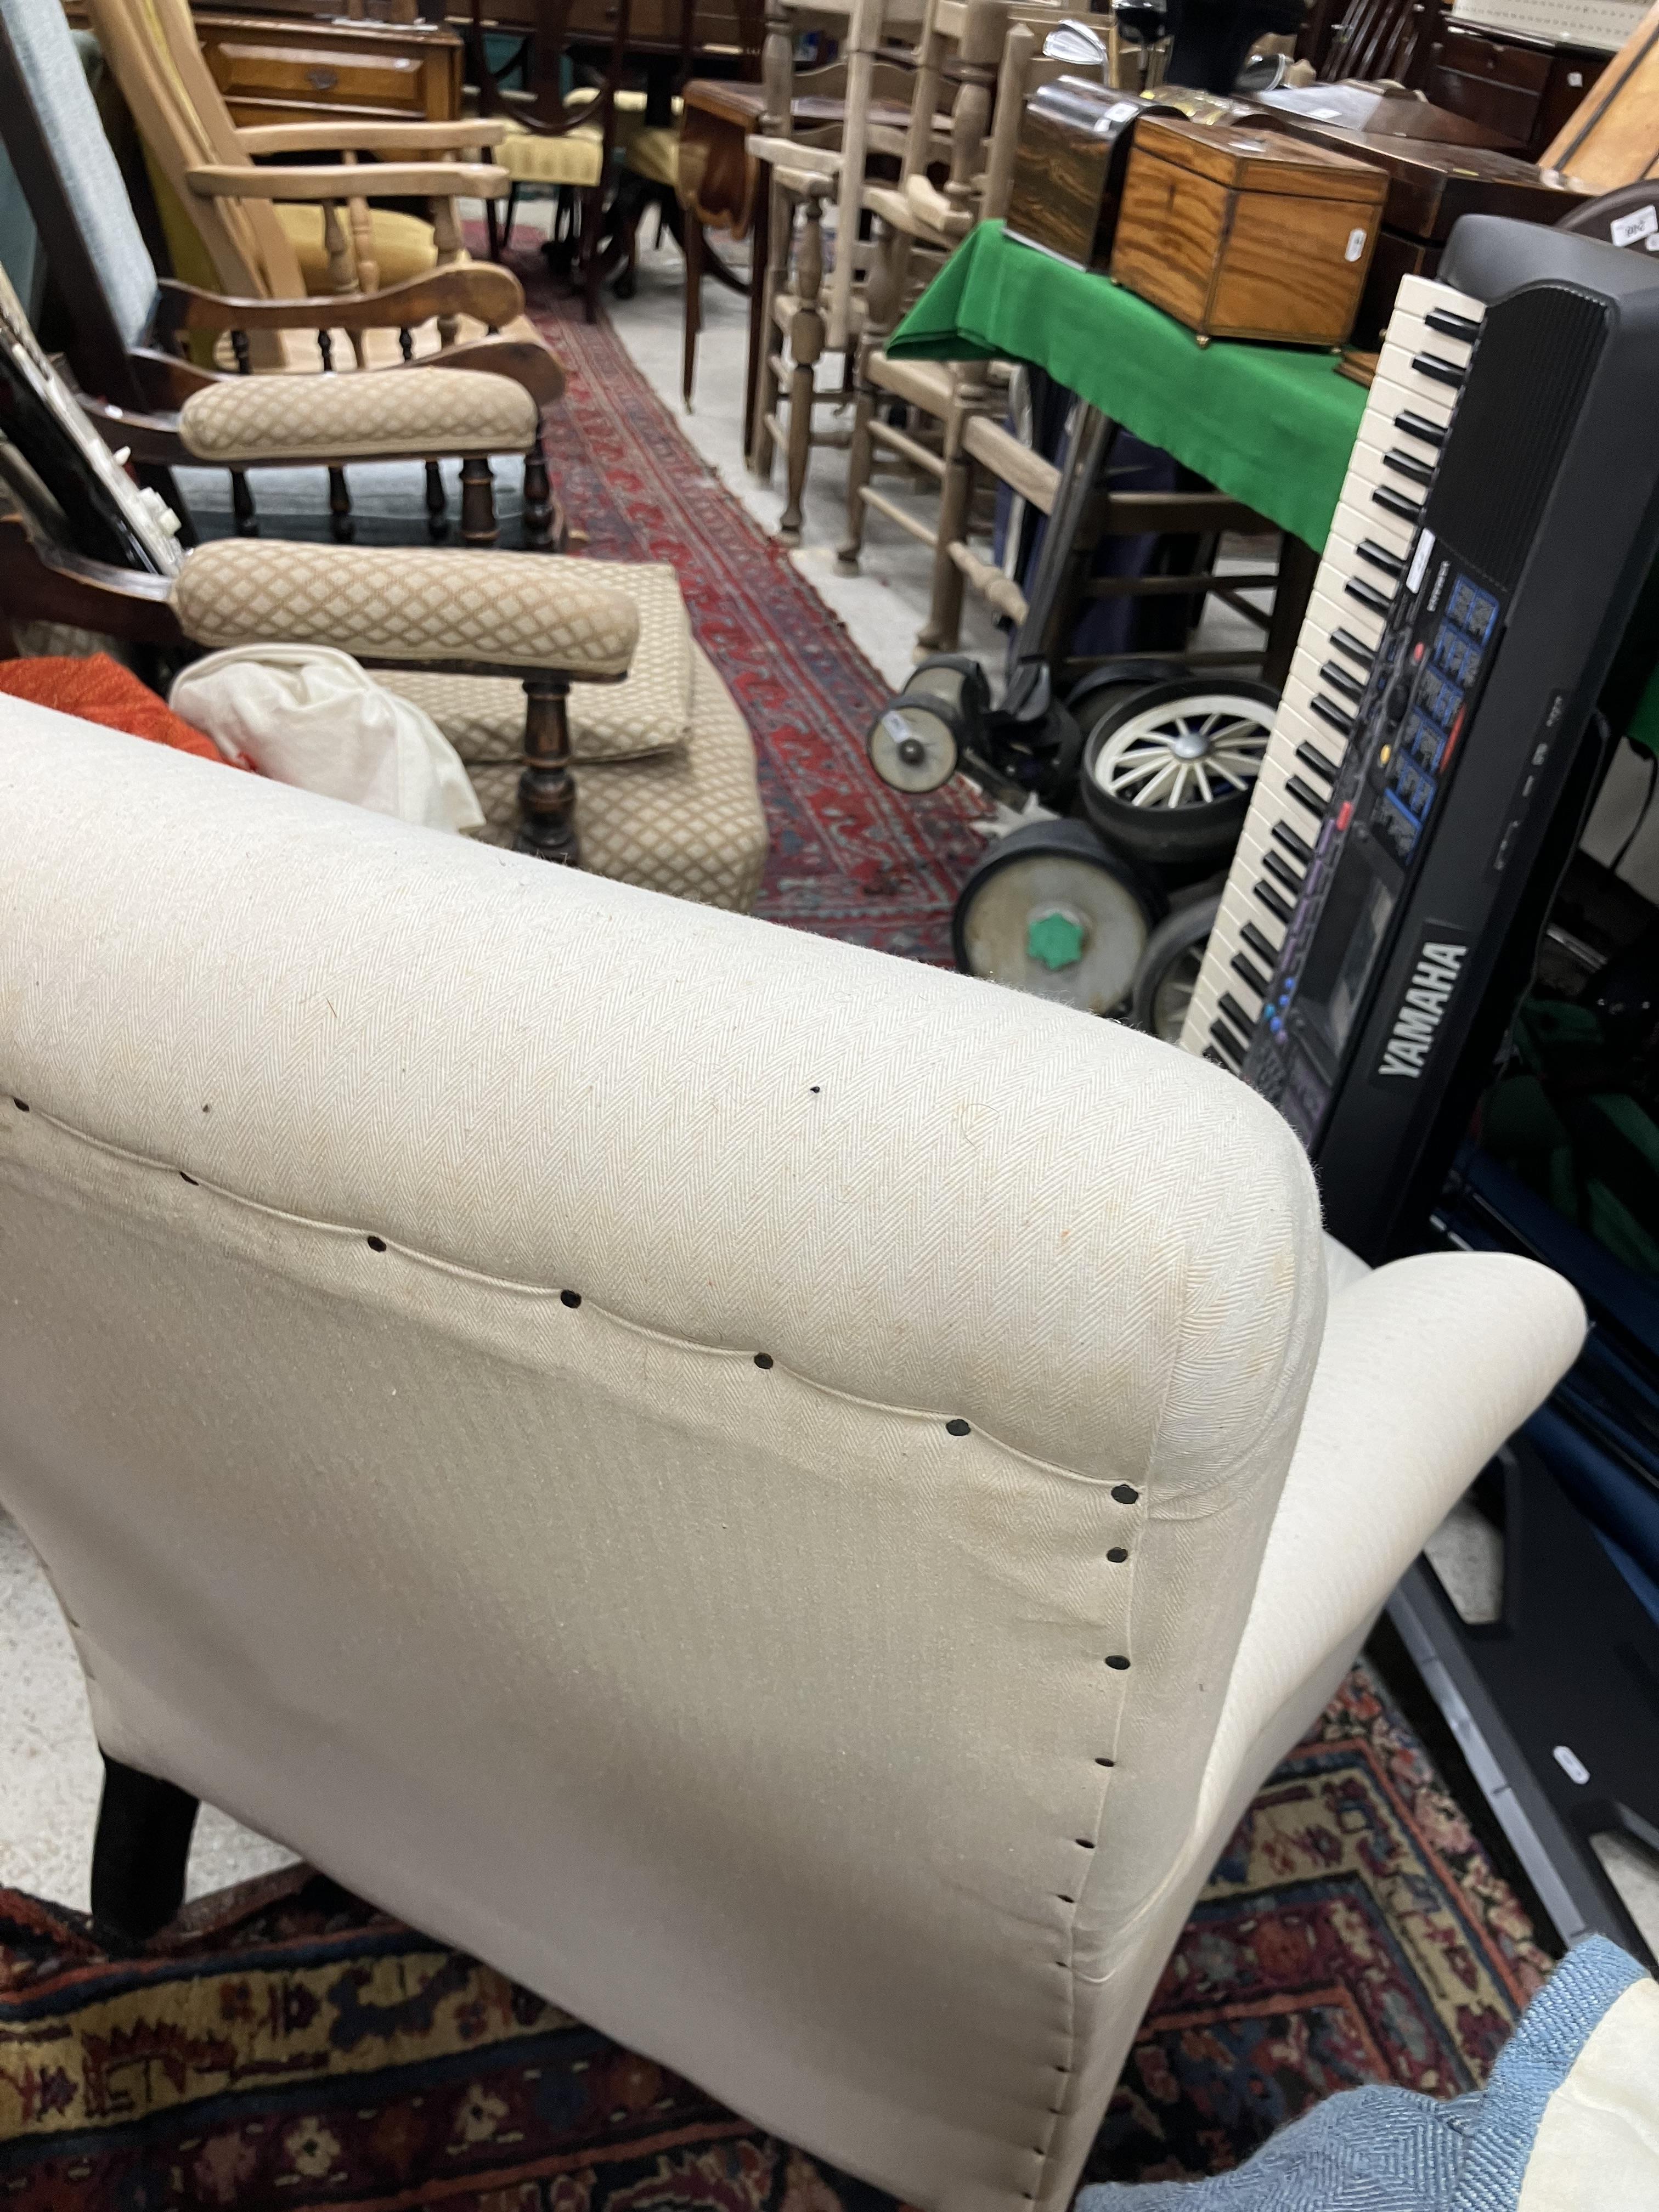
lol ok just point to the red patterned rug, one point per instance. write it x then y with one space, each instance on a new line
849 858
287 2046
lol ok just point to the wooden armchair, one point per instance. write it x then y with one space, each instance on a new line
284 233
128 331
550 143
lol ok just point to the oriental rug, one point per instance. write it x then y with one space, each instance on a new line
286 2045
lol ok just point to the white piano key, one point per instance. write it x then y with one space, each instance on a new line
1417 295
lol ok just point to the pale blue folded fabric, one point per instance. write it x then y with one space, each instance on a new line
1391 2150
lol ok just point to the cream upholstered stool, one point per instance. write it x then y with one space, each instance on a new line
593 727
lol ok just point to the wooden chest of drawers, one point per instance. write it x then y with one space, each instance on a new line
285 69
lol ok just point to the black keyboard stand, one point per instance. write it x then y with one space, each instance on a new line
1572 1662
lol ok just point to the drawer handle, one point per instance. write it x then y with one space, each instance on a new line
322 80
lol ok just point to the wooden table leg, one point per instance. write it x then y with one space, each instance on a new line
694 242
1298 565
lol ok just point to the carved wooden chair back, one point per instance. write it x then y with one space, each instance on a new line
1375 38
153 54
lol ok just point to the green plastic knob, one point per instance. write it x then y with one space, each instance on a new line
1054 940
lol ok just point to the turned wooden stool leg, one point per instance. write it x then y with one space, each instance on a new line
806 334
547 790
139 1856
478 524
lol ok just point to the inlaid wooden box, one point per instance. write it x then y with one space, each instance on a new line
1241 234
1074 138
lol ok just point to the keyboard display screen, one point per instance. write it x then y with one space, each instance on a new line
1444 676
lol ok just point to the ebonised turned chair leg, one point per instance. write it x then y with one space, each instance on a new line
437 504
340 523
547 790
478 523
139 1855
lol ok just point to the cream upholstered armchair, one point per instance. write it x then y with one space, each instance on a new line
565 1409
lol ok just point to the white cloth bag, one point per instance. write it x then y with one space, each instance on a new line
311 716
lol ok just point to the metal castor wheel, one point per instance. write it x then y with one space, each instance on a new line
1169 970
1049 909
1168 771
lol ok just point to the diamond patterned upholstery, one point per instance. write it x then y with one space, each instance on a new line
650 711
380 604
435 411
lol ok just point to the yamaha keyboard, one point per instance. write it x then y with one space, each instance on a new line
1499 515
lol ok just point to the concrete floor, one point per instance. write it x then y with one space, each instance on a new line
49 1766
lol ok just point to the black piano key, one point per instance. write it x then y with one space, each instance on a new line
1452 326
1437 369
1303 797
1368 595
1257 982
1329 711
1230 1044
1210 1052
1355 648
1396 502
1313 759
1296 846
1380 557
1270 898
1278 865
1340 679
1419 427
1244 1022
1263 947
1408 464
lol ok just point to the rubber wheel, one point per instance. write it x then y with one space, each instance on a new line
1168 771
914 744
1050 910
1169 969
1107 683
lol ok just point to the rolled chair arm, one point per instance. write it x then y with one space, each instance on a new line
365 181
1425 1368
434 412
410 608
347 136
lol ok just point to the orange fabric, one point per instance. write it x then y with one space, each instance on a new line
99 690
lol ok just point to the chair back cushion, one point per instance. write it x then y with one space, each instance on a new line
87 179
721 1471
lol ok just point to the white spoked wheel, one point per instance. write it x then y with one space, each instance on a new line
1168 772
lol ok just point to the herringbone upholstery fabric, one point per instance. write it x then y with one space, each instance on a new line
722 1472
650 711
689 822
547 612
428 413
